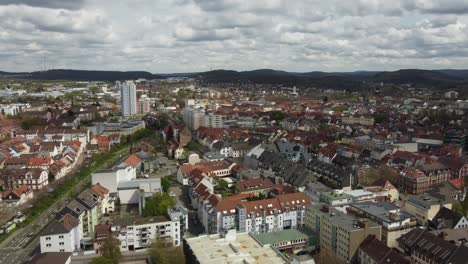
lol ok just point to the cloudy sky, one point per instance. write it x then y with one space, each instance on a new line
198 35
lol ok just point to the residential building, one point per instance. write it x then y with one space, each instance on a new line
339 232
17 197
424 207
394 222
61 236
195 118
261 216
128 97
427 248
447 218
255 186
374 251
138 233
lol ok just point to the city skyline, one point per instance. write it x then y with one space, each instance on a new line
196 35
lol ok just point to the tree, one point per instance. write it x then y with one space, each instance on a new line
101 260
158 204
111 249
326 256
325 99
277 116
166 184
163 252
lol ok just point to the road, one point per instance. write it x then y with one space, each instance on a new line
23 244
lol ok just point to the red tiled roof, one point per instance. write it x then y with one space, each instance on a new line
133 160
457 183
99 190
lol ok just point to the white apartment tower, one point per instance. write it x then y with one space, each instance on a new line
128 97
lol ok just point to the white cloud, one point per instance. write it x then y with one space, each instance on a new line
197 35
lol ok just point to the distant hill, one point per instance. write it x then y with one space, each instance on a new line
343 80
420 77
82 75
442 79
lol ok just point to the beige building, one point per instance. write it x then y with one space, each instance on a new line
366 120
394 222
424 207
339 232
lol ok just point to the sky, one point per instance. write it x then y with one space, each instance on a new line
165 36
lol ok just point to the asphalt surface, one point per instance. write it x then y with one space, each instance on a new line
23 244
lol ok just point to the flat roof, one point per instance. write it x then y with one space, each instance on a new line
285 236
138 220
215 250
336 196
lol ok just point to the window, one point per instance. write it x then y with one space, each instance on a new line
60 236
47 238
62 250
61 243
48 245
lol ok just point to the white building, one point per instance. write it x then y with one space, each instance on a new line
138 233
63 236
128 97
263 216
195 118
122 180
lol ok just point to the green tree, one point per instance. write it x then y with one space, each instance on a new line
101 260
166 184
28 123
277 116
163 252
111 249
158 204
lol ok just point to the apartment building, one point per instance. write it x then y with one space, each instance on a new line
394 222
128 97
339 232
283 212
195 118
61 236
138 233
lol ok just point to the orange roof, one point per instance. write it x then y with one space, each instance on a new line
133 160
39 161
99 190
17 192
457 183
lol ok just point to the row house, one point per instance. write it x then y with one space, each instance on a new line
34 178
457 166
416 181
17 196
283 212
51 134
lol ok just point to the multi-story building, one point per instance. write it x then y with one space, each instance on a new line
195 118
138 233
366 120
144 104
336 198
128 97
262 216
339 232
394 222
373 251
61 236
424 207
427 248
